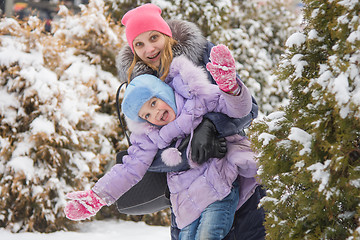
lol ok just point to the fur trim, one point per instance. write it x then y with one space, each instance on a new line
123 62
137 127
190 42
171 157
193 78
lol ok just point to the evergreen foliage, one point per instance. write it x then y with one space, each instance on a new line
58 121
257 34
210 16
117 8
309 150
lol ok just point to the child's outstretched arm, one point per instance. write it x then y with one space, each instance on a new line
222 69
114 183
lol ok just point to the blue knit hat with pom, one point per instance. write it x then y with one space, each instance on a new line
140 90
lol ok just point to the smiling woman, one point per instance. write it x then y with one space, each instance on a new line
149 37
148 46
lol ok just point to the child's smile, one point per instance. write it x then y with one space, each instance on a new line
157 112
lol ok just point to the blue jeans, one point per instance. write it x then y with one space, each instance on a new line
215 221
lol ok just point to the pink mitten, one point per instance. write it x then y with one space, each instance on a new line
84 204
222 69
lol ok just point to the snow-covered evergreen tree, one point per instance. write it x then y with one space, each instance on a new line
257 34
309 151
117 8
212 17
58 120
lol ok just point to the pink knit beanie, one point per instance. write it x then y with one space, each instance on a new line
142 19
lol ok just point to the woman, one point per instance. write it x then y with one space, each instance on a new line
153 43
158 112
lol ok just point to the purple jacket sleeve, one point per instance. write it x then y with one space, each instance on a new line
225 125
214 101
122 177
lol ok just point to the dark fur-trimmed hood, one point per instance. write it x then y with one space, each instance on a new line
191 43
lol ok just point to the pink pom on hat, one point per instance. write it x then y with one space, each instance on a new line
142 19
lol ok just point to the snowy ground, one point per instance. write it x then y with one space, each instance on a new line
98 230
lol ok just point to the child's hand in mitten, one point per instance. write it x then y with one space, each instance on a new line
222 69
84 204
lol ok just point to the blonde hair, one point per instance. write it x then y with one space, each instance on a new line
165 59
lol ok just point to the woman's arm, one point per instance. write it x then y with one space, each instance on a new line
227 126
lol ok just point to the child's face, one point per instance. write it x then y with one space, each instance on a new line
157 112
148 46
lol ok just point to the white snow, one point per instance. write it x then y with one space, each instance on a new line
340 87
298 64
275 120
320 173
313 34
8 104
350 4
299 165
354 36
296 39
98 230
42 125
266 138
23 164
302 137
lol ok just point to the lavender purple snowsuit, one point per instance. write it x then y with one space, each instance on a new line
193 190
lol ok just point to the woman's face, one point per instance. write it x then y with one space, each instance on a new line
157 112
148 46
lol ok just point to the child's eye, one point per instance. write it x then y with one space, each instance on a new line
153 103
147 116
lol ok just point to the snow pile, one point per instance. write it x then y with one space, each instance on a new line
96 230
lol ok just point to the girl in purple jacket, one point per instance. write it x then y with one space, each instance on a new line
205 197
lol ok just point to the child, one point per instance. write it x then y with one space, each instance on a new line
204 199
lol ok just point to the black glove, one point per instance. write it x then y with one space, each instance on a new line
205 144
120 155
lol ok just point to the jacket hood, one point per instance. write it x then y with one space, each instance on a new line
186 78
191 43
140 90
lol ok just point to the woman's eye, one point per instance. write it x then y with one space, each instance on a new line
154 37
147 116
138 44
